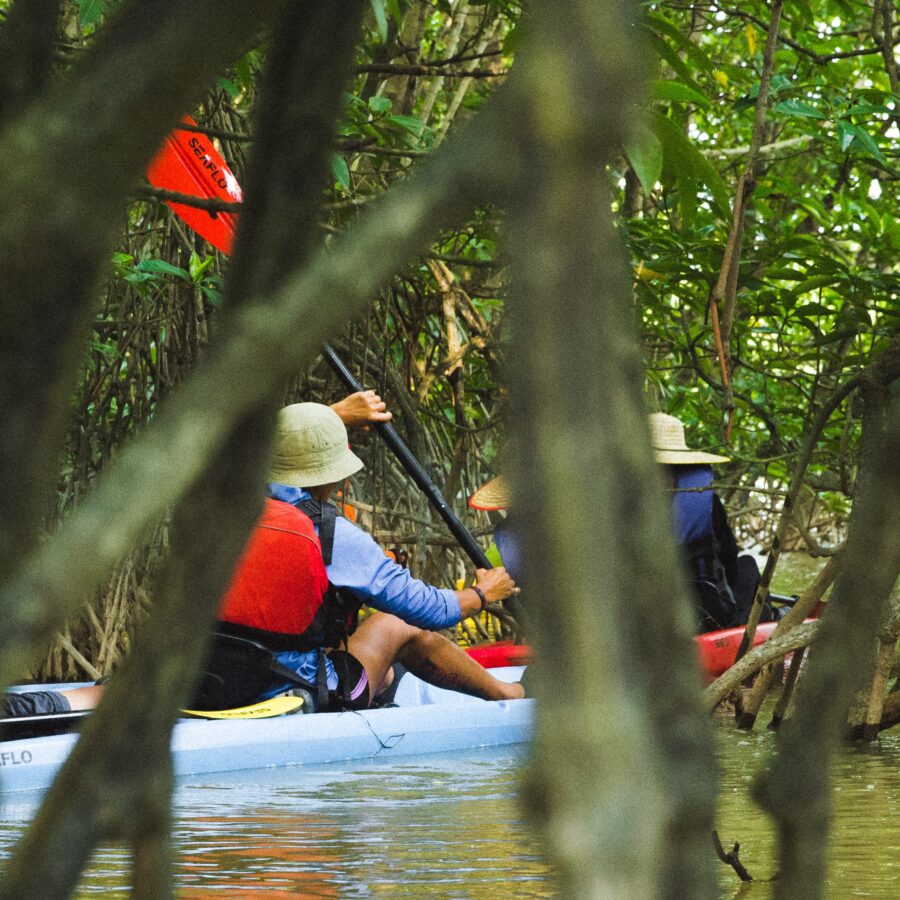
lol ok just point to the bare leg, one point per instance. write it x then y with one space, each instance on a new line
383 639
84 698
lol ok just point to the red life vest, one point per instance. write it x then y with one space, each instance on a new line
280 580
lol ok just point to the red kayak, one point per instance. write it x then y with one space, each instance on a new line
717 650
189 164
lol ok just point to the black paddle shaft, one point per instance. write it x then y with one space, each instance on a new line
414 469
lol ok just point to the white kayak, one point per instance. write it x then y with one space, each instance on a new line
425 720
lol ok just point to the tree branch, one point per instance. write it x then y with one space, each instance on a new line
26 48
309 63
142 69
885 370
424 70
264 345
725 290
577 407
212 204
795 789
755 659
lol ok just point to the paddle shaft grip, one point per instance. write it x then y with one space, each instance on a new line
413 468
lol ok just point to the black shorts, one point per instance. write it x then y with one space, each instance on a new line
353 684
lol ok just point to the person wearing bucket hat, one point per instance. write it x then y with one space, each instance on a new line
362 409
670 448
724 580
310 459
504 550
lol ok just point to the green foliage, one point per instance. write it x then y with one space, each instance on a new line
818 286
817 290
91 11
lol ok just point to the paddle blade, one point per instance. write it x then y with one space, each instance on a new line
189 164
277 706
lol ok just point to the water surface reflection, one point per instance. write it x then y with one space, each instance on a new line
450 827
865 839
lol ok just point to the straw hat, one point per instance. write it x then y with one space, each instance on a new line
311 447
493 494
667 437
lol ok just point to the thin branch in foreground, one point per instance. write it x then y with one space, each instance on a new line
212 205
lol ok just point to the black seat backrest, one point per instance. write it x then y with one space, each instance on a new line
237 671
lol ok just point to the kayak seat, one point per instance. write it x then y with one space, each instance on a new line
237 671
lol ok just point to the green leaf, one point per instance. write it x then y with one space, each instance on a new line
135 277
161 267
749 99
381 22
664 26
340 170
672 58
229 87
814 309
90 12
410 123
197 268
211 294
690 167
798 108
380 105
393 7
675 90
645 156
867 141
868 109
779 83
784 274
108 350
817 281
832 337
846 134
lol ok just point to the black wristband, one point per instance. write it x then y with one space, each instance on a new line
481 597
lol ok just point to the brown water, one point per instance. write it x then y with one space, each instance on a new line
437 826
793 572
450 827
865 840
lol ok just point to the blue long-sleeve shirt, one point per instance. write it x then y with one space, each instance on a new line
361 566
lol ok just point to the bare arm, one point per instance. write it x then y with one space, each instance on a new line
496 584
363 408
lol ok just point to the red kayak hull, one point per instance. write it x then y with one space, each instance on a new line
717 650
502 653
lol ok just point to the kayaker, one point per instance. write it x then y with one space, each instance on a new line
724 580
311 459
359 409
504 550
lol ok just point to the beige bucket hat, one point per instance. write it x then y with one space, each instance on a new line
311 447
493 494
667 437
